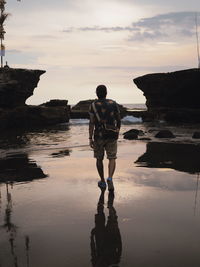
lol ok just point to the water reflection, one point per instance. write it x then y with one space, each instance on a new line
19 168
21 138
106 244
61 153
11 228
180 157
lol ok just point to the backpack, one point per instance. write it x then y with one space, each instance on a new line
105 130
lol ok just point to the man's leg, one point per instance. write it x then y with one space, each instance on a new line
111 150
100 169
111 167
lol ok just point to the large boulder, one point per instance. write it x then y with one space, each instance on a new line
172 96
16 85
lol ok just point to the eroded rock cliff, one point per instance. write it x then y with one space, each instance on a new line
17 85
172 96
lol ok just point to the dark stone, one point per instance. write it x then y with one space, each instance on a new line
172 96
55 103
196 135
33 116
16 85
180 157
130 136
134 131
165 134
83 105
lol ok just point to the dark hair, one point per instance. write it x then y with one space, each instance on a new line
101 91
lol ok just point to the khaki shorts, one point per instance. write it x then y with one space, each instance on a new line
108 145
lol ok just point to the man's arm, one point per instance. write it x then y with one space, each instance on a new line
91 129
118 117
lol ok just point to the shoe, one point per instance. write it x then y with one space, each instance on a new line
110 184
102 185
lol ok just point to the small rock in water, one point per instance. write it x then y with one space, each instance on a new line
165 134
134 131
196 135
130 136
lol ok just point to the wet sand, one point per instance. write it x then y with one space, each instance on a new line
57 219
53 214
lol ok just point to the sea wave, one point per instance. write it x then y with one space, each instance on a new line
78 121
131 120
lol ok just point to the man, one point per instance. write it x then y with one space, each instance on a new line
104 129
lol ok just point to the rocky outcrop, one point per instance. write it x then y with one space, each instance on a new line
172 96
56 103
16 85
33 116
81 109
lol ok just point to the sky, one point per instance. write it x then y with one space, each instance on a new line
84 43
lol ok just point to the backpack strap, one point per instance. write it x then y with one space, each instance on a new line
95 111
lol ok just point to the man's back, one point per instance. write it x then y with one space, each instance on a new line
105 112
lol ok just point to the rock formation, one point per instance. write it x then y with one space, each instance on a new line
81 109
172 96
16 86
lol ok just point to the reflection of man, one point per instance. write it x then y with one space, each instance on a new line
106 244
104 129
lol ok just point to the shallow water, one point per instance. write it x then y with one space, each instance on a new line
52 213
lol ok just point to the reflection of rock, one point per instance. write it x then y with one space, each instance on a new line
16 85
181 157
172 96
164 134
19 168
81 109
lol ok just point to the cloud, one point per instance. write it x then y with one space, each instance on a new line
13 51
163 26
170 3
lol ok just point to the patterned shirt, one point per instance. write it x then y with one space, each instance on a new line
109 114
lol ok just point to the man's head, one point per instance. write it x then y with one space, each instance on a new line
101 91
